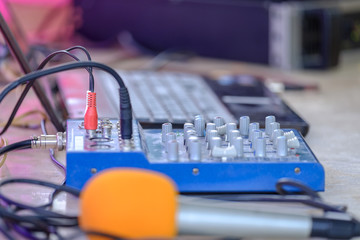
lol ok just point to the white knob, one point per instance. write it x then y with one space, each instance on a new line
227 152
293 142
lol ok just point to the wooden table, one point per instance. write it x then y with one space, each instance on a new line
333 112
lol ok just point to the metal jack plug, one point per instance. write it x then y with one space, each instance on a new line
57 141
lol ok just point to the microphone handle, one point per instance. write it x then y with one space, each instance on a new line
197 219
214 220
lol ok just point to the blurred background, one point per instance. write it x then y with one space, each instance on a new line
283 34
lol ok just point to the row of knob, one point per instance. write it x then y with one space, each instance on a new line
214 133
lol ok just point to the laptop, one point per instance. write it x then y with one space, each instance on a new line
159 96
42 89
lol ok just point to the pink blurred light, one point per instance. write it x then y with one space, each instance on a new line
41 2
43 21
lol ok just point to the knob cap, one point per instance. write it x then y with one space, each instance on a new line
273 127
239 146
169 136
282 148
215 142
173 150
165 128
253 126
212 133
199 123
255 135
233 134
260 150
188 126
229 128
277 133
268 121
209 127
195 150
244 126
219 121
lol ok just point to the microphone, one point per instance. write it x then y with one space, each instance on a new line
138 203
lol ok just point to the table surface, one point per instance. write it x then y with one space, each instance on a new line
333 112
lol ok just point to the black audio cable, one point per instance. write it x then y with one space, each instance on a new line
125 104
41 66
39 220
15 146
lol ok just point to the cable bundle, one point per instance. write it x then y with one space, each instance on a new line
34 222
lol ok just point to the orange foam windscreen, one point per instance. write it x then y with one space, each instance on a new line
129 203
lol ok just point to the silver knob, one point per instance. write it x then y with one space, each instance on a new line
239 146
233 134
219 121
282 148
268 121
253 126
244 126
173 150
169 136
260 150
215 142
255 135
165 128
199 123
212 133
188 133
209 126
277 133
229 128
195 150
188 126
273 127
191 138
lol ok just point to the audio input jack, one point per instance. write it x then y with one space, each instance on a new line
57 141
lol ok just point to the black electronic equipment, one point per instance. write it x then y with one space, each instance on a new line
286 34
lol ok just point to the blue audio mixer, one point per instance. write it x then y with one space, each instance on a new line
200 157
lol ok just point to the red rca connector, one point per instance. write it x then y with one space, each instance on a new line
91 116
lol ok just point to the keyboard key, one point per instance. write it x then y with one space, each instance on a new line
171 97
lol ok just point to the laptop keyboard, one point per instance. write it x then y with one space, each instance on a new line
159 97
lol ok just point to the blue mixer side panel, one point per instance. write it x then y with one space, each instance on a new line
209 177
